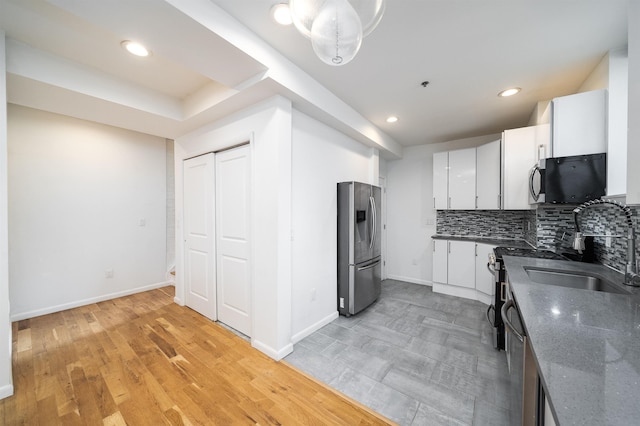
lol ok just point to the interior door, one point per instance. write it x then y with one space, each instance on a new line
199 235
233 244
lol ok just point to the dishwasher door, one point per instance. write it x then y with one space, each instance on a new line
523 374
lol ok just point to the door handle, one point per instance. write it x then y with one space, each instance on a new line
503 312
372 203
372 265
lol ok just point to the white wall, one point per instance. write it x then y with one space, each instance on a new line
410 213
633 148
6 380
78 192
612 74
267 126
322 157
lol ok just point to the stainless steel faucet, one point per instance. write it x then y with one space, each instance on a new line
631 276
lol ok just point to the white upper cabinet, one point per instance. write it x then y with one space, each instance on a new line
488 176
462 179
579 124
521 150
441 180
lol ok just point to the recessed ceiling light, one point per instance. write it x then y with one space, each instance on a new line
392 119
280 13
509 92
135 48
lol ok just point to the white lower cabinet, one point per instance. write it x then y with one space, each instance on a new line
485 280
461 264
460 269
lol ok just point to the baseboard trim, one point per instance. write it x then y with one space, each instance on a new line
409 279
314 327
271 352
63 307
6 391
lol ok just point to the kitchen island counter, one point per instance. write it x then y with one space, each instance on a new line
586 343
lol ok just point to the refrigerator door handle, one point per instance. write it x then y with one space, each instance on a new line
369 266
373 221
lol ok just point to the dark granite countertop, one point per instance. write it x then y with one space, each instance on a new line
586 343
504 242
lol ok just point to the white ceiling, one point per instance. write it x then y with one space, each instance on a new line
468 51
64 56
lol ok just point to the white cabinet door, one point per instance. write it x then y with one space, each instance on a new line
461 268
462 179
580 124
440 180
485 280
440 261
488 176
521 149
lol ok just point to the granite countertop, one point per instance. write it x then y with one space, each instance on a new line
502 242
586 343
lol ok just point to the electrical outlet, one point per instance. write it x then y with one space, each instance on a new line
342 302
313 294
108 273
142 222
414 262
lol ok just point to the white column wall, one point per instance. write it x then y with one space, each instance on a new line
267 126
411 218
633 144
322 157
84 198
6 380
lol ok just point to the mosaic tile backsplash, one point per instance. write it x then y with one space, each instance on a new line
550 227
481 223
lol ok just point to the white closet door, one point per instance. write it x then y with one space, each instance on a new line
199 235
233 242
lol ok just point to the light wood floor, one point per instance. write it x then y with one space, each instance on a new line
143 360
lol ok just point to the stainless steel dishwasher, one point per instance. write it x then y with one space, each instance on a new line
523 374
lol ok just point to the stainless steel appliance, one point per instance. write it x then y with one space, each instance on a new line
496 267
359 262
523 374
566 180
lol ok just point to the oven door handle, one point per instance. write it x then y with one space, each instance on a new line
506 321
491 308
491 268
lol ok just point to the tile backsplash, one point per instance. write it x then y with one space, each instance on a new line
482 223
549 227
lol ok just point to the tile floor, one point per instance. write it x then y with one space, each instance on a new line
417 357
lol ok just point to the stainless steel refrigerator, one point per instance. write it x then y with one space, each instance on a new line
359 262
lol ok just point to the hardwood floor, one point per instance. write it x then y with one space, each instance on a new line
143 360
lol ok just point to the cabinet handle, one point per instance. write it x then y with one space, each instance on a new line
449 246
449 203
434 246
476 250
434 203
476 201
499 201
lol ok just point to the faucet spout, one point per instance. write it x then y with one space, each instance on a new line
631 276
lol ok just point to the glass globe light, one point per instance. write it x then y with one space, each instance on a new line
303 12
336 33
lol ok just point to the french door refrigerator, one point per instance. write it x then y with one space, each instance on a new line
359 262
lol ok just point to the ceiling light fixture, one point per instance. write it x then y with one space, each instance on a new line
509 92
281 14
135 48
336 27
392 119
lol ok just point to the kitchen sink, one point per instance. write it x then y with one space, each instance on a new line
578 280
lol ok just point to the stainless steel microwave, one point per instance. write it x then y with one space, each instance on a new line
568 180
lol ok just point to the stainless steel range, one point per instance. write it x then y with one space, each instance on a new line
496 266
